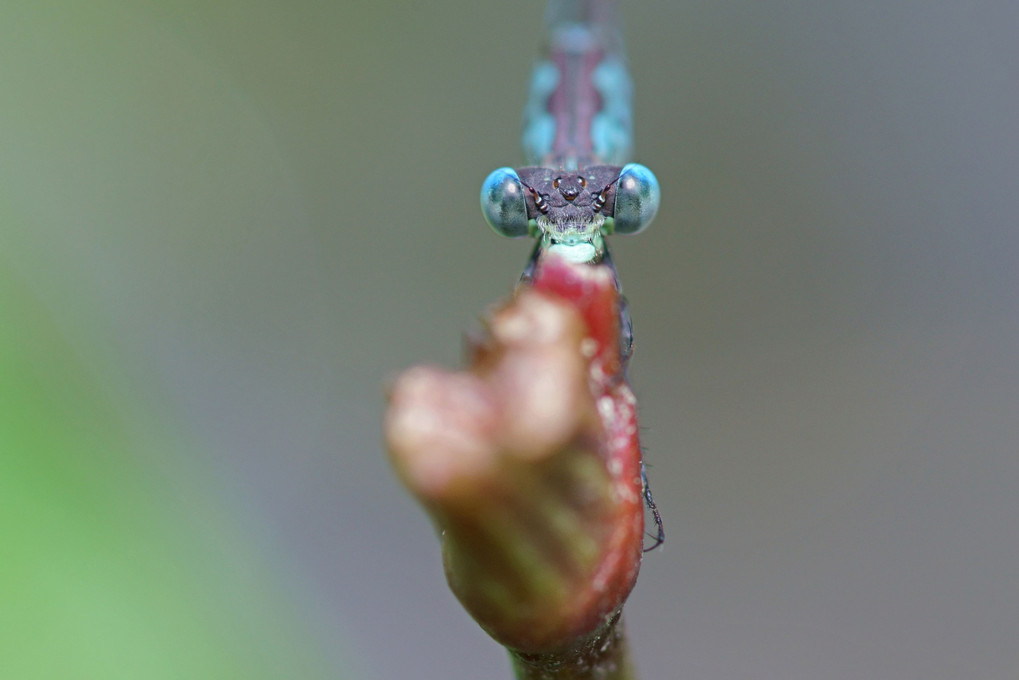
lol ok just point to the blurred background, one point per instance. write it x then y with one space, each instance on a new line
225 225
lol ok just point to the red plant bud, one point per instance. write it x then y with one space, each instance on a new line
528 462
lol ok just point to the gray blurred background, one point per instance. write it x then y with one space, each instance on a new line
254 214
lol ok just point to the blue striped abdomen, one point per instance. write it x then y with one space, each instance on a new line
579 108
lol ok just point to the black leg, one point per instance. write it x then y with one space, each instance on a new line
650 502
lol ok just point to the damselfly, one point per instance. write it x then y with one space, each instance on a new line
580 185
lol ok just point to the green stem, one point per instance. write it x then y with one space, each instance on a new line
604 655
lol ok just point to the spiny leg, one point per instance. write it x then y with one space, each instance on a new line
650 502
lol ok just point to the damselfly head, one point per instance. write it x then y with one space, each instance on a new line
570 206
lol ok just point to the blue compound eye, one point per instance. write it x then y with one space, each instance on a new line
503 203
637 197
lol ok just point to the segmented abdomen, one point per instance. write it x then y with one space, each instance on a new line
578 112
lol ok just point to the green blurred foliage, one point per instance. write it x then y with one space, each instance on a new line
111 565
